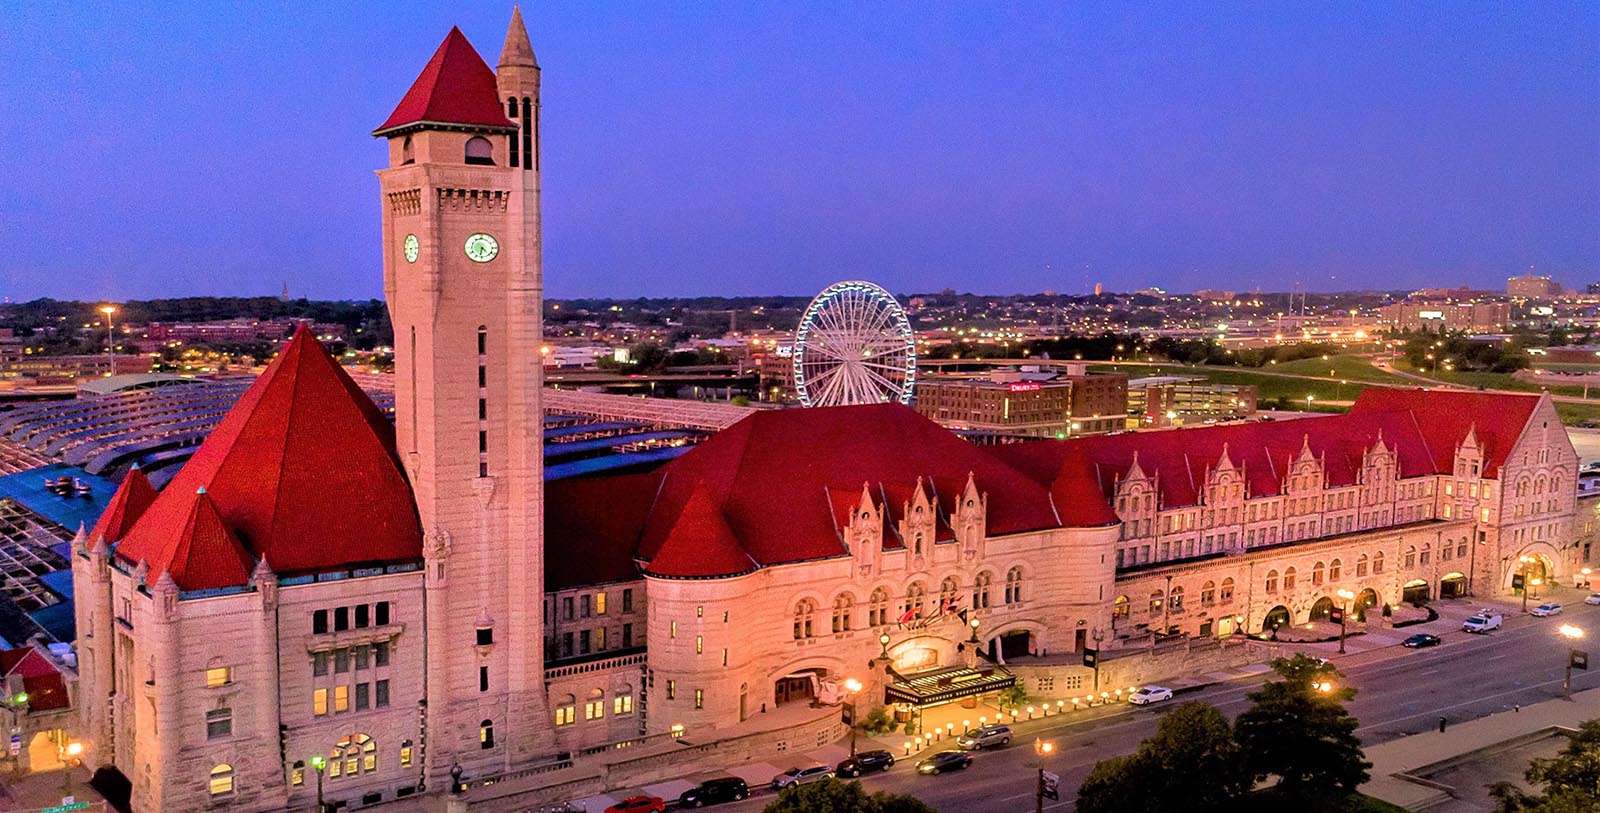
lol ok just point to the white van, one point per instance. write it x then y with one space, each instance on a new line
1482 622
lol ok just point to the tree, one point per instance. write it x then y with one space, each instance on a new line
1302 734
1192 763
1571 779
833 796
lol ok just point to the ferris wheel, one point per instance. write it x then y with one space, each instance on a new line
854 346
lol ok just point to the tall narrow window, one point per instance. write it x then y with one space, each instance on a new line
483 401
483 678
530 126
516 138
486 734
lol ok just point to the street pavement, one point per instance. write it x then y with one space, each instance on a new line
1401 692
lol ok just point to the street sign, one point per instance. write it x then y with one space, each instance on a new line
1336 615
1050 785
1091 657
66 807
847 714
16 744
1516 581
1578 659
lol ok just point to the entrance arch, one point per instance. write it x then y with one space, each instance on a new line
1453 585
1010 645
1322 609
1414 592
799 686
1540 566
1276 617
1365 599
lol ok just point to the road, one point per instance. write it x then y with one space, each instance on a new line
1400 692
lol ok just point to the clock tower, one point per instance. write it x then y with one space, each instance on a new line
461 272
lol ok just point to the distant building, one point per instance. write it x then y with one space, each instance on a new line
1211 295
1471 317
1039 405
19 367
1533 286
1174 399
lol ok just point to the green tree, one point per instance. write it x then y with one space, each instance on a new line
1571 779
1192 764
1299 731
833 796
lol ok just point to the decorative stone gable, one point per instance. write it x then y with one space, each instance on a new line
919 523
863 534
970 519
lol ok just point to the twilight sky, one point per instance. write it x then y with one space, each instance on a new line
168 149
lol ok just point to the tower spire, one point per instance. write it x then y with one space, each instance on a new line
518 50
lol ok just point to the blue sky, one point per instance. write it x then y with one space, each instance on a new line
741 147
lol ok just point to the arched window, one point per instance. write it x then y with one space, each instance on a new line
1335 570
407 751
1176 600
878 608
1377 562
1227 590
1361 566
1411 556
1157 601
1316 573
566 710
1288 578
594 708
486 734
1208 593
1119 607
914 596
804 610
1461 548
406 154
842 605
222 780
1272 581
352 756
1014 585
980 590
480 151
949 589
1427 553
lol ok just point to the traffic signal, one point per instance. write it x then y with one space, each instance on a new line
1091 658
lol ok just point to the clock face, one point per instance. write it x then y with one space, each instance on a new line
482 248
411 248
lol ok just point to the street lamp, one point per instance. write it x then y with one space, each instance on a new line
1522 570
974 624
1042 748
883 642
852 686
1344 609
318 764
70 752
1571 633
111 339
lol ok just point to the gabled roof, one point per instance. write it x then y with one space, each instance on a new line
1446 416
302 471
133 497
204 554
456 87
700 543
40 678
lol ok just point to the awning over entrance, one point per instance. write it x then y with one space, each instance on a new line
944 685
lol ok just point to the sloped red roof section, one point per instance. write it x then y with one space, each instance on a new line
302 471
204 554
592 528
700 544
456 87
40 678
132 499
1445 416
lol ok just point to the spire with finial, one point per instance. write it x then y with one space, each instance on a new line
518 50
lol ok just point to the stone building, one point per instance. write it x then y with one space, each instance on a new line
322 604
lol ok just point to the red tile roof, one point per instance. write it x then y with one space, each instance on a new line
302 471
456 87
700 543
1444 416
126 506
601 517
40 678
203 554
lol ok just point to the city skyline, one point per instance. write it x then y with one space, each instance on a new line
734 150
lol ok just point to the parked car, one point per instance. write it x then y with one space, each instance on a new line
802 775
1149 694
864 761
1547 608
1594 598
713 791
639 804
945 761
1482 623
1420 640
989 736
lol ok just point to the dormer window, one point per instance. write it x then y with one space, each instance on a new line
480 151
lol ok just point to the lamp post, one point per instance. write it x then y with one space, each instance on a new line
1522 570
852 686
70 751
1042 748
1344 609
883 644
1571 633
318 764
111 338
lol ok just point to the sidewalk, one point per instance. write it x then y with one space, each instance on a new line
1421 751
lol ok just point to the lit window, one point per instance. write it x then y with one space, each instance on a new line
319 702
699 698
405 753
297 774
222 780
600 603
341 698
595 708
219 676
622 704
486 734
699 644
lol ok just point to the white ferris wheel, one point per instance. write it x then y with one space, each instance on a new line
854 346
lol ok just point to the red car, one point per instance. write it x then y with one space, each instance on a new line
639 804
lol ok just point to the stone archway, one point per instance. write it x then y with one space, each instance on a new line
1366 599
1322 609
1415 592
1541 559
1276 617
1453 585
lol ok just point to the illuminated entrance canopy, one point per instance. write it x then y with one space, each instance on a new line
951 683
